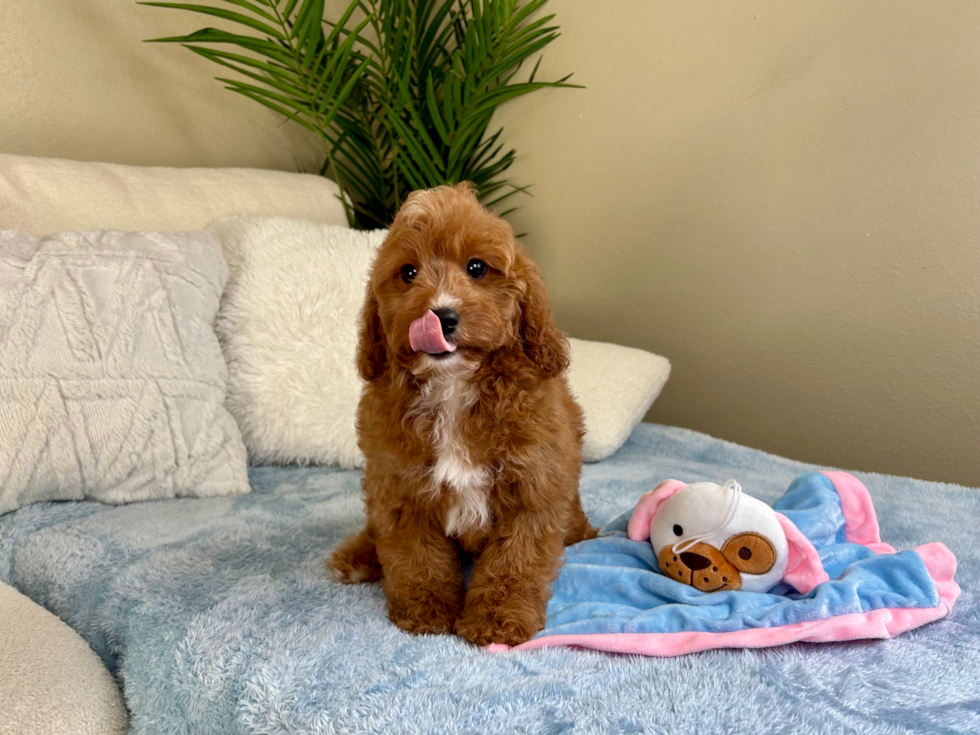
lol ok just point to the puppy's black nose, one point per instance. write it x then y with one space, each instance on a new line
449 319
694 561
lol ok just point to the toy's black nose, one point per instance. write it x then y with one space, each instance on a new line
449 319
694 561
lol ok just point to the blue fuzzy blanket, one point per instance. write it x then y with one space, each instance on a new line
216 615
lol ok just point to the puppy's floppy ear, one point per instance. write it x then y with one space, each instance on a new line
545 347
372 350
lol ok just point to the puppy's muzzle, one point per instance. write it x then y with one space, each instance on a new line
429 333
449 319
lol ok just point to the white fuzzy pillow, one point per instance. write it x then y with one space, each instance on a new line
288 324
615 386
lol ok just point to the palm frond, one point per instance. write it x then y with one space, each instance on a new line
401 98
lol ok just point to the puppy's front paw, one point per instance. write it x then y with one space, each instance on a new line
355 560
509 623
424 616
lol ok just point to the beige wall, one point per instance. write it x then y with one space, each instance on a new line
780 197
783 199
78 82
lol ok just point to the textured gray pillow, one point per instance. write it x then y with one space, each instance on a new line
112 382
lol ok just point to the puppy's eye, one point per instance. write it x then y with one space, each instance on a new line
476 268
678 531
409 272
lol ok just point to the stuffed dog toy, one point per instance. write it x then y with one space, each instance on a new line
716 538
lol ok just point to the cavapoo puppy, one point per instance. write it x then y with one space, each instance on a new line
472 440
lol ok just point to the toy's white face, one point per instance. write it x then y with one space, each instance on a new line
748 553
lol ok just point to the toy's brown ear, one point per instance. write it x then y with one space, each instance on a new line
545 347
372 350
750 553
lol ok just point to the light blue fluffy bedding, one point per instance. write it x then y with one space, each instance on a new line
217 616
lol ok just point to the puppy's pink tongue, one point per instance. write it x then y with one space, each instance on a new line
425 335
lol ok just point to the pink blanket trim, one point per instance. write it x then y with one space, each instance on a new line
882 623
860 519
804 570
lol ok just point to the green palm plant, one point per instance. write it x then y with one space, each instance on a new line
400 92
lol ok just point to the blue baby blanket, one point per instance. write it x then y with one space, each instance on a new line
611 595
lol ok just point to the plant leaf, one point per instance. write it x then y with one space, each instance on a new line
400 99
222 13
253 8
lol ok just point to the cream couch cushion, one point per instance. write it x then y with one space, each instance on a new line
51 682
615 386
41 196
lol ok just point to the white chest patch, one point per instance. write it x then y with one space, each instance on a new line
445 401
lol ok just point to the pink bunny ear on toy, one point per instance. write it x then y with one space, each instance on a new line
804 569
646 509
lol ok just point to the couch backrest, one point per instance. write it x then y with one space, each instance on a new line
45 195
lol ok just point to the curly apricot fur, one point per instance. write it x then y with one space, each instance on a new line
516 429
